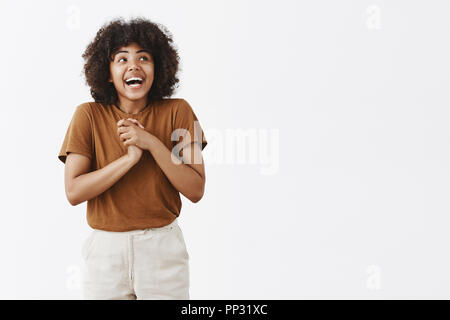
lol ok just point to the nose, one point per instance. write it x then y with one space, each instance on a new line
133 66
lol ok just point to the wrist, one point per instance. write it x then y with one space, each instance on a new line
150 141
130 161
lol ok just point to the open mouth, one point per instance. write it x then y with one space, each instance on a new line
134 82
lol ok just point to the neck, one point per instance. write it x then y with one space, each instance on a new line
132 106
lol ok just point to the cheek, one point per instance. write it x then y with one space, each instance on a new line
149 69
116 75
150 72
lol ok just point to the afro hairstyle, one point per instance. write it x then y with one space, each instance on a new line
118 33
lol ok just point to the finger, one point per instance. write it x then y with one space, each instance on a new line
124 136
136 122
133 120
128 142
124 133
125 122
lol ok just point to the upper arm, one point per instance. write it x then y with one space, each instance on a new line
76 165
79 134
195 161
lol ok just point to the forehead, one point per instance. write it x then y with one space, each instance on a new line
130 49
132 46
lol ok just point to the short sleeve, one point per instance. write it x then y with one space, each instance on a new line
186 120
78 137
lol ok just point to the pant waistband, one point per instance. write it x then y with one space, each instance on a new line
171 225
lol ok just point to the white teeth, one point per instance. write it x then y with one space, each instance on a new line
133 79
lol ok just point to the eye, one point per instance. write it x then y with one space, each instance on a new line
121 59
144 57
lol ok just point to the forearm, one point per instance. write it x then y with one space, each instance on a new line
184 178
92 184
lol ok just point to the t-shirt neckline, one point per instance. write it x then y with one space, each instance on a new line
125 114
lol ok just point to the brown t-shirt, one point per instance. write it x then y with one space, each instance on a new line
143 197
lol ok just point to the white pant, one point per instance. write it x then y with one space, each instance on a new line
150 263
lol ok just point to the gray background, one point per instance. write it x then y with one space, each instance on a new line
327 163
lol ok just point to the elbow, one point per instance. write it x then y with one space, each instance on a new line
197 196
74 203
73 194
72 199
195 199
69 193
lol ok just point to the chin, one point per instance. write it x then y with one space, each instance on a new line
136 96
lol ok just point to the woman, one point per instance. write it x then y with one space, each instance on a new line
129 154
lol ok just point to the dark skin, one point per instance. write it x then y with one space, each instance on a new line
188 176
128 61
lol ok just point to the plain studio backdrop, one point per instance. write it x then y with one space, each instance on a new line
327 164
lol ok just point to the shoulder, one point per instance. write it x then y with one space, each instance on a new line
171 102
84 108
180 105
173 105
88 111
91 108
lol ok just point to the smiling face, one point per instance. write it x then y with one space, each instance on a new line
132 73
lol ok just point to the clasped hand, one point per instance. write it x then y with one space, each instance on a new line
132 132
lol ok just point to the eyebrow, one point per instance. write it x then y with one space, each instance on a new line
142 50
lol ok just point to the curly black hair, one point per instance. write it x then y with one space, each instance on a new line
151 36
